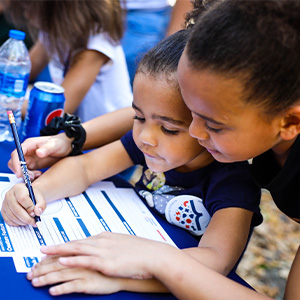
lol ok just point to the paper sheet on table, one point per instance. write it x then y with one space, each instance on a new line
102 207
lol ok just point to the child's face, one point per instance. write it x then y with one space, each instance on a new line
230 129
161 127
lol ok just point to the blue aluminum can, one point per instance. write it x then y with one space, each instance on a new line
46 101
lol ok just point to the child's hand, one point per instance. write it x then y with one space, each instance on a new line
40 152
18 209
116 255
68 280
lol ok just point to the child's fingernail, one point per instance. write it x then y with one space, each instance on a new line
43 151
63 260
43 249
52 290
29 275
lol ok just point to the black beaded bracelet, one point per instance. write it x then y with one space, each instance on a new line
72 127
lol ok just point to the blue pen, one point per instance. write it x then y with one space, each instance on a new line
23 164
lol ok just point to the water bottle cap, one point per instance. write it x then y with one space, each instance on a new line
17 34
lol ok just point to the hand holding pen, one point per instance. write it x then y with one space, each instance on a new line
23 165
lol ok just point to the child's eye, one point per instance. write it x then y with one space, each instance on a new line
171 132
212 129
139 119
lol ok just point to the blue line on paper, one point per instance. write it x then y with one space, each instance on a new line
4 179
5 242
72 207
61 230
39 236
83 227
124 222
102 221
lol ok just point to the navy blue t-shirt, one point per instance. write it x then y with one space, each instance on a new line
282 182
188 200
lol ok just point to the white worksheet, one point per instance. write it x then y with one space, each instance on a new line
102 207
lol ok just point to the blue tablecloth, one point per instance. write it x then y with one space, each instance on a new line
5 150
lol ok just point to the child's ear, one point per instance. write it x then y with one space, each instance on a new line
291 123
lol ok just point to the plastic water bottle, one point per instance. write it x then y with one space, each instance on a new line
15 66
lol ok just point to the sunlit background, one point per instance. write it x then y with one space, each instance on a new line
172 2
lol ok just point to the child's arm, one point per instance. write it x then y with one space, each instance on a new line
119 250
224 239
39 59
80 76
108 127
116 255
196 281
42 152
68 177
125 256
73 175
292 290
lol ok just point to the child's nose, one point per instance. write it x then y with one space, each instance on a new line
148 136
198 130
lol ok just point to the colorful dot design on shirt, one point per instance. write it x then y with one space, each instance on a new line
187 213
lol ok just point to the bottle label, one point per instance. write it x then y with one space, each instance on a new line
19 85
13 85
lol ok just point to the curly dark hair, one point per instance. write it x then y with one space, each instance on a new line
199 7
255 41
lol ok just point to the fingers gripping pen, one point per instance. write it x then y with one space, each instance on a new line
23 165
